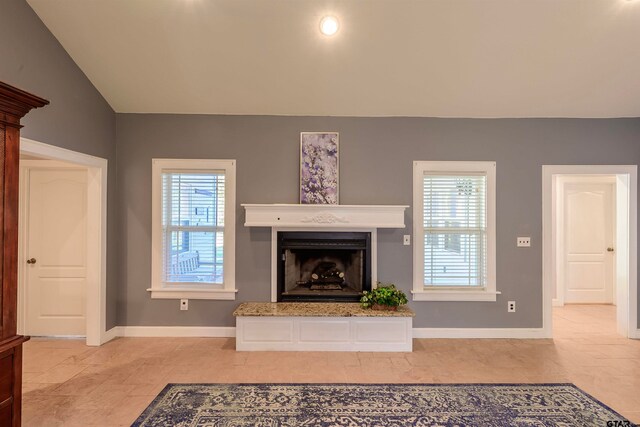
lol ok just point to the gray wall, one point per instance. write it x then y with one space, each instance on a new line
78 118
375 168
376 155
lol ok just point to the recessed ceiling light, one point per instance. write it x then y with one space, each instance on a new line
329 25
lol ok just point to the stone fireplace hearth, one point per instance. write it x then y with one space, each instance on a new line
329 326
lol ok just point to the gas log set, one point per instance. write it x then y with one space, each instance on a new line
323 266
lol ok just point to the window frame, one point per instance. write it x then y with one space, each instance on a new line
422 293
159 288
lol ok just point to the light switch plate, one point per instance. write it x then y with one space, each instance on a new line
523 242
406 240
184 304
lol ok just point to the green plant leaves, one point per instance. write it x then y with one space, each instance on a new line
384 294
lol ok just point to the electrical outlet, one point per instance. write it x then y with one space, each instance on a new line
184 304
511 306
523 242
406 240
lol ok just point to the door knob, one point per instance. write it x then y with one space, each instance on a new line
31 261
610 249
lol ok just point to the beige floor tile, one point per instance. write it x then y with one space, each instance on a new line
57 374
147 389
69 384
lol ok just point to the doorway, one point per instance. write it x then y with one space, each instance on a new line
585 239
62 243
590 240
54 196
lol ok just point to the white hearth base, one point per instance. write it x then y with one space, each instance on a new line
380 334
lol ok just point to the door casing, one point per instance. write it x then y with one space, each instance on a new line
626 237
96 331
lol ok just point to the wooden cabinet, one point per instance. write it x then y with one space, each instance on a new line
14 104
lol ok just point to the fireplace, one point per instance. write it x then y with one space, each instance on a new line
323 266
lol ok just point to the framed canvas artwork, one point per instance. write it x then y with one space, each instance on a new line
319 167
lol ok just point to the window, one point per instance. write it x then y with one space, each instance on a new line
454 231
193 229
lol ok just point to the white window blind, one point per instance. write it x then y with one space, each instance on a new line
455 230
193 227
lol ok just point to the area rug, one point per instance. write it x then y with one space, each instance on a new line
369 405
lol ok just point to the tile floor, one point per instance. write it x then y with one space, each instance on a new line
67 383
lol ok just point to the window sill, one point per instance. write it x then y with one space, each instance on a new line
453 295
219 294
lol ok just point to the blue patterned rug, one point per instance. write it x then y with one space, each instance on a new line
369 405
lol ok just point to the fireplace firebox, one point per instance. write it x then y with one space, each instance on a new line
323 266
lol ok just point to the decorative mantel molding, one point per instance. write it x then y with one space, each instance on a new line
324 216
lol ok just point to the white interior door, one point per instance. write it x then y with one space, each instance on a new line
56 252
589 243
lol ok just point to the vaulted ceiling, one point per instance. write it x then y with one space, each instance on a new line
435 58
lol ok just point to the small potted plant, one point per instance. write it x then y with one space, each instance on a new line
383 297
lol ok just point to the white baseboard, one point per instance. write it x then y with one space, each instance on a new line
176 331
229 332
557 303
515 333
635 334
110 334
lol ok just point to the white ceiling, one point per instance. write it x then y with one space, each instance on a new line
436 58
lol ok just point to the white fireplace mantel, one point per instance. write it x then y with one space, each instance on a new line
281 217
324 216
